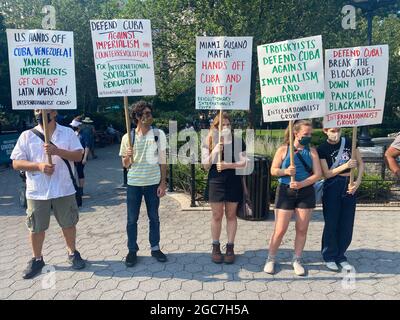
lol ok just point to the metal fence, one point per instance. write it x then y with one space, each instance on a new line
374 192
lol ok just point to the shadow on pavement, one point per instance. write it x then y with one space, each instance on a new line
197 266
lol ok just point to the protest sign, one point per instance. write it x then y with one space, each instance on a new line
123 57
356 80
292 79
42 69
223 73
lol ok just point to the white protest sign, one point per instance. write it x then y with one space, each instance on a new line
356 80
42 69
123 55
223 73
292 79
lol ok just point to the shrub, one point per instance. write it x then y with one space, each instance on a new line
181 177
266 146
162 119
374 188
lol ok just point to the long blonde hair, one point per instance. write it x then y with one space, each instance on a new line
296 128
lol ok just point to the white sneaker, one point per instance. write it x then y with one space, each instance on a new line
346 266
332 266
298 268
269 267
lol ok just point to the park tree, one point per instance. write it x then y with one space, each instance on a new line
5 98
71 15
176 23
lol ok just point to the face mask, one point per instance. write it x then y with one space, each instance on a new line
39 118
227 134
334 136
305 141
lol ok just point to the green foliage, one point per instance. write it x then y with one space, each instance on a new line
181 178
373 188
71 15
274 185
176 23
162 119
7 120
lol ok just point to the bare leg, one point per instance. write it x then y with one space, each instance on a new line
70 239
37 240
303 220
217 209
282 220
231 220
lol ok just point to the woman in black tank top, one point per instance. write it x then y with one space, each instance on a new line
224 184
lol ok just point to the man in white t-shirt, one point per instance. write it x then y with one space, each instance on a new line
49 186
391 155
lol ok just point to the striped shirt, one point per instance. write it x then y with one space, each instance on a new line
145 170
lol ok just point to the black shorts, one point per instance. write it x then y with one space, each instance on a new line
225 186
79 169
290 199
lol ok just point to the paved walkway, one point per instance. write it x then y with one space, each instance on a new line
189 274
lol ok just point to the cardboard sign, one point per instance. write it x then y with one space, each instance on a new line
223 73
123 55
292 79
356 80
42 69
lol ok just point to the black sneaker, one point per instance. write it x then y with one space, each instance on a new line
131 259
76 260
33 268
161 257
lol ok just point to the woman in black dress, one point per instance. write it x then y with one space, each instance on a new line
224 184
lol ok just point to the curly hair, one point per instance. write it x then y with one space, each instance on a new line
138 108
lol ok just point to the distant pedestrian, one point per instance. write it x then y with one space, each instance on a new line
80 165
89 132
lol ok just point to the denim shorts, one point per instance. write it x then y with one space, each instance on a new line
290 199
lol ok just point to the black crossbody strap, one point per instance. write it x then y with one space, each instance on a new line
306 166
41 136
